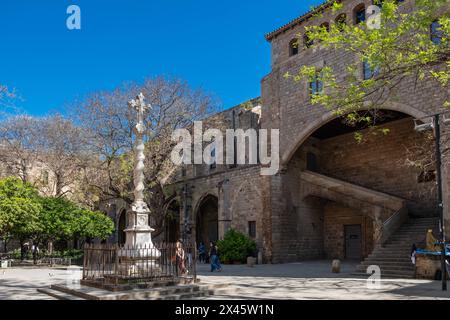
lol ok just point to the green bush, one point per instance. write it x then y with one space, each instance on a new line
235 247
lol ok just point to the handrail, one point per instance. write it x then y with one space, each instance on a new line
392 224
396 214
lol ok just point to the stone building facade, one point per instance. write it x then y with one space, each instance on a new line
332 197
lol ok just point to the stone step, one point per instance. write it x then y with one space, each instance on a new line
394 257
386 262
390 254
186 296
59 295
398 257
383 276
132 294
389 269
84 292
395 246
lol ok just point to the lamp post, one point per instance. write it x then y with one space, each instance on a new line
436 124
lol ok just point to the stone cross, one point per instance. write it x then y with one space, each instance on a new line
140 250
140 107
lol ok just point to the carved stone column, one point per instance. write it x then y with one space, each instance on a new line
138 244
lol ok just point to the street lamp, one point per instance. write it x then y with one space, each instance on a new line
436 125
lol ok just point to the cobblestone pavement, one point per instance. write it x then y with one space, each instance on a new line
21 283
312 280
305 280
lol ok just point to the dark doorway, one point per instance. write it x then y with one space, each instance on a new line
172 227
122 225
311 162
207 226
353 243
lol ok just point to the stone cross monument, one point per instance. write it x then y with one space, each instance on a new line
138 242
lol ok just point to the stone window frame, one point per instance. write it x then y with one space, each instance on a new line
294 47
369 72
325 24
356 11
319 86
341 19
435 35
307 41
251 228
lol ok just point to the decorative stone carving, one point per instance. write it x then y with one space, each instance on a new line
138 231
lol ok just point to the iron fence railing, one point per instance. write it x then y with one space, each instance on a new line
116 264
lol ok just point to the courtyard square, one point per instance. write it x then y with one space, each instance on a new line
214 165
297 281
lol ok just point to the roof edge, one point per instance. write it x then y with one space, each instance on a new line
269 36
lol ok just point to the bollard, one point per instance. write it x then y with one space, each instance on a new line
336 266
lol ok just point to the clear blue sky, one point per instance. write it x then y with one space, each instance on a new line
216 45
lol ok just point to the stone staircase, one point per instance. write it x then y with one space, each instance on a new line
394 256
170 292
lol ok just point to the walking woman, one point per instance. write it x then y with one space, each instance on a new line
181 257
214 257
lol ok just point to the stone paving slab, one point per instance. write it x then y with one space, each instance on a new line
305 280
313 280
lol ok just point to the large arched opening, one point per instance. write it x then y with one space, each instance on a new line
341 179
172 223
207 220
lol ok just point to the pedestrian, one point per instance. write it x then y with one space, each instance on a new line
35 252
214 257
180 257
413 254
202 252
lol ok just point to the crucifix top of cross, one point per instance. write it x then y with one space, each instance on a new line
139 105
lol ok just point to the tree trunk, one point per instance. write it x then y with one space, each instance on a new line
50 247
22 250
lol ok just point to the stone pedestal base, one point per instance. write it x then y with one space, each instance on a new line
139 268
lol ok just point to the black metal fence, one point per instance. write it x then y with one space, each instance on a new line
116 264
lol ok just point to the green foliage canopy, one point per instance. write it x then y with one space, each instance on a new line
19 208
235 246
24 214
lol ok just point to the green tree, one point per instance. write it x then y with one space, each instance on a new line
93 224
61 219
19 209
235 246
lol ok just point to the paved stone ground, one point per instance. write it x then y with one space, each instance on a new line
305 280
312 280
20 283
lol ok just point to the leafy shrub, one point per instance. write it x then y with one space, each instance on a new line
235 247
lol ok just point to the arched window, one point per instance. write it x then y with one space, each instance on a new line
293 47
359 13
213 156
341 21
369 72
378 3
307 41
326 26
435 32
316 84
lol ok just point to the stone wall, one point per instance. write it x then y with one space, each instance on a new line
378 163
427 266
336 218
287 106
